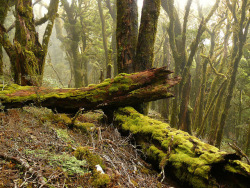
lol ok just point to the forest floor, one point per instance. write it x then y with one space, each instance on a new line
38 149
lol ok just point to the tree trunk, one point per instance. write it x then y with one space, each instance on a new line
27 55
248 141
237 129
192 162
184 119
123 90
104 39
239 39
73 32
3 14
147 35
164 104
126 34
216 116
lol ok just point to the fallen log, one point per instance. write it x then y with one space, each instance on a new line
123 90
192 162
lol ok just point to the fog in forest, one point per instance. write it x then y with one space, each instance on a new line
79 43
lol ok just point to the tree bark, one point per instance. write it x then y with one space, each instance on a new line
27 54
239 39
192 162
125 89
73 33
126 34
3 13
104 39
147 35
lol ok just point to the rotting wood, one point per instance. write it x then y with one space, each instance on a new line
123 90
192 162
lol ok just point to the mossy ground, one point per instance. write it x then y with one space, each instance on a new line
44 140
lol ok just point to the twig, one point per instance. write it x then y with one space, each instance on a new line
239 151
163 173
51 177
26 179
210 63
75 117
99 134
26 165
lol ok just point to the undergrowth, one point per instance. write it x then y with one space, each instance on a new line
66 157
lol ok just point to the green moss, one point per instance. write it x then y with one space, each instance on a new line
155 153
63 118
238 167
85 127
91 85
190 158
99 180
113 88
68 163
83 153
63 134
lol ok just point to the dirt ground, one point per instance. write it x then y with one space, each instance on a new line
37 149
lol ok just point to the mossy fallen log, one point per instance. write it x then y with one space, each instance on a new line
193 162
123 90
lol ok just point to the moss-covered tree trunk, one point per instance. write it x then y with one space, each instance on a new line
147 35
248 141
30 55
240 31
193 162
105 42
201 99
126 34
216 115
125 89
3 14
73 31
164 104
27 54
186 72
174 31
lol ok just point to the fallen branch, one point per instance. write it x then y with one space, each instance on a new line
123 90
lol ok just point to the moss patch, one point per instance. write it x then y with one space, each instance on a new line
191 159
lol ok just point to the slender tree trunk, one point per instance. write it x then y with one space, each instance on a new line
113 50
196 80
84 57
201 100
237 130
174 32
216 116
239 39
104 39
165 104
248 141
